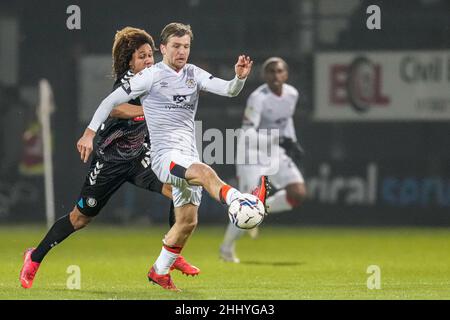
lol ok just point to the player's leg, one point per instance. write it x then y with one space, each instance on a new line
203 175
98 187
171 215
248 177
60 230
292 196
292 190
143 177
173 243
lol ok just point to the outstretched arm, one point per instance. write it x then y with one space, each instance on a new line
230 88
127 111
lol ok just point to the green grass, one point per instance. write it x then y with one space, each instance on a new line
283 263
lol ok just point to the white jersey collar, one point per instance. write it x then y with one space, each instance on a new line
283 91
172 70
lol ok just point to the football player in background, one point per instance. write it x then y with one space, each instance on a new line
271 106
122 155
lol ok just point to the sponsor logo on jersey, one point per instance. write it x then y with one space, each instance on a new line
179 98
178 106
164 84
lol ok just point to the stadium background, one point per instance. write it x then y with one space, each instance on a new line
35 43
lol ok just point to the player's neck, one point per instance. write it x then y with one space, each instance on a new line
278 91
174 68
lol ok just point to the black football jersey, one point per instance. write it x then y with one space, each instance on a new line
122 139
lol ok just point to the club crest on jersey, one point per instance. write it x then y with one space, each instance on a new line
91 202
190 83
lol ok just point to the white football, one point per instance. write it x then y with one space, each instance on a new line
246 212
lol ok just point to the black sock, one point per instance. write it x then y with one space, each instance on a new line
171 215
60 230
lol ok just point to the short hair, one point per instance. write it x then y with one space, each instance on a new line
175 29
126 42
272 60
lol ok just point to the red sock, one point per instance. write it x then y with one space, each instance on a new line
223 193
173 249
292 201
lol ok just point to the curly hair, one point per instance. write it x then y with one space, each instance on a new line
126 42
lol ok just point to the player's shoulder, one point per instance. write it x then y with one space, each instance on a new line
193 70
156 69
256 98
260 92
121 79
290 90
190 67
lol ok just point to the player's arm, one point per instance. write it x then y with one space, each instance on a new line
251 121
127 111
252 113
228 88
135 87
289 141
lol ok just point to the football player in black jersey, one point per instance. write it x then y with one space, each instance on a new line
122 155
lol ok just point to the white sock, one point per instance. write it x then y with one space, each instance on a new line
165 261
231 235
278 202
232 194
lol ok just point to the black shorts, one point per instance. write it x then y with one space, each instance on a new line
105 177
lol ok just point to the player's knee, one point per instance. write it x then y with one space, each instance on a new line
78 219
200 172
296 195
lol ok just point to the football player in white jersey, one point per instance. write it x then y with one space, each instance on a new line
169 93
271 106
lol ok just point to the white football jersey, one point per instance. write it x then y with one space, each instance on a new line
266 110
170 100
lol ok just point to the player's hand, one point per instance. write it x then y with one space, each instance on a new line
293 149
243 66
85 145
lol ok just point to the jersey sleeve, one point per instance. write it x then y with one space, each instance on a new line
289 131
218 86
139 83
252 113
118 83
129 90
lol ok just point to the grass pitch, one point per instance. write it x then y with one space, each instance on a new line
282 263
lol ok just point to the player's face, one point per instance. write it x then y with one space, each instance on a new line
276 75
176 51
142 58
